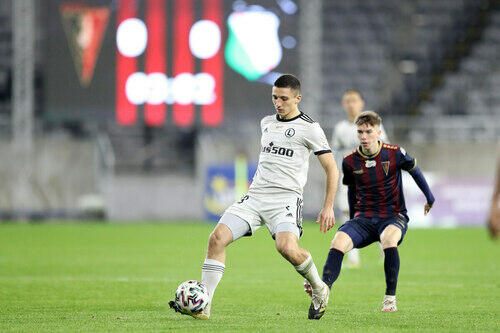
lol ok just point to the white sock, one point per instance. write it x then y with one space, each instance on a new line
381 251
211 273
308 270
353 256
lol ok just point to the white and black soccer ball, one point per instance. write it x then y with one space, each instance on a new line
191 297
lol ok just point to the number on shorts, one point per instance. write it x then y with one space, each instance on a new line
243 198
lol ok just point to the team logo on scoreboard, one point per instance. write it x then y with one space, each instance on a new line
289 132
385 166
84 27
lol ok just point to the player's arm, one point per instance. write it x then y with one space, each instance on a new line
494 218
326 216
419 179
408 163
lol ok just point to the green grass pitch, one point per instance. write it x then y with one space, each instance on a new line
109 277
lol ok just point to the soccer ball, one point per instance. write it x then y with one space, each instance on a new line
192 297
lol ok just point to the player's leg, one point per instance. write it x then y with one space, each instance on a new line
353 260
287 245
341 244
229 229
356 233
390 237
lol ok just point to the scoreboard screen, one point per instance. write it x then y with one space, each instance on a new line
178 63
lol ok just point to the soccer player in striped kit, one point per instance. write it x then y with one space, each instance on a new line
344 141
376 202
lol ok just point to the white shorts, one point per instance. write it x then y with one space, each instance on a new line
279 212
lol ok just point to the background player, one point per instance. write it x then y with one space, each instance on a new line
494 218
376 202
344 141
275 196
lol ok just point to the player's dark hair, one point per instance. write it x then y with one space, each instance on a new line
287 81
353 91
368 117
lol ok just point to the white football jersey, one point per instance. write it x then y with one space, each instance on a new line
284 156
345 138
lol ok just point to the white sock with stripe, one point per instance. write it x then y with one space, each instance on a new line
211 274
308 270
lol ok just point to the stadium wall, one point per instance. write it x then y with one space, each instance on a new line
65 172
62 174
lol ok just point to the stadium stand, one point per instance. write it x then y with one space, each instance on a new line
145 149
390 50
474 87
5 60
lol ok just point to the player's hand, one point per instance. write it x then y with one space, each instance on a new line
427 208
327 219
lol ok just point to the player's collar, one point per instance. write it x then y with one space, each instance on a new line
373 155
279 119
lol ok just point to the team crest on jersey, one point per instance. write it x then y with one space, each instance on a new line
385 166
370 163
289 132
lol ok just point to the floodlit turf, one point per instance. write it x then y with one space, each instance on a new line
102 277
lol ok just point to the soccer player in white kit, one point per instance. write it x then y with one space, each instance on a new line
345 140
274 198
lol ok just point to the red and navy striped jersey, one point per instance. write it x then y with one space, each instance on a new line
377 180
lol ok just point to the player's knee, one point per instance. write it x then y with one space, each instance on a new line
341 242
286 249
390 238
219 238
387 243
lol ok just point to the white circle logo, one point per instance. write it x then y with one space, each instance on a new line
204 39
131 37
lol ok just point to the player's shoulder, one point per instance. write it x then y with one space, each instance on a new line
307 119
349 155
342 123
390 146
267 119
394 147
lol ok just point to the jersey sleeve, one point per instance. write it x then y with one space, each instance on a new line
316 140
348 178
404 160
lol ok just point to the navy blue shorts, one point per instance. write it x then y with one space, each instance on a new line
364 231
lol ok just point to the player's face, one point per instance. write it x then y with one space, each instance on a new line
368 136
286 102
353 105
